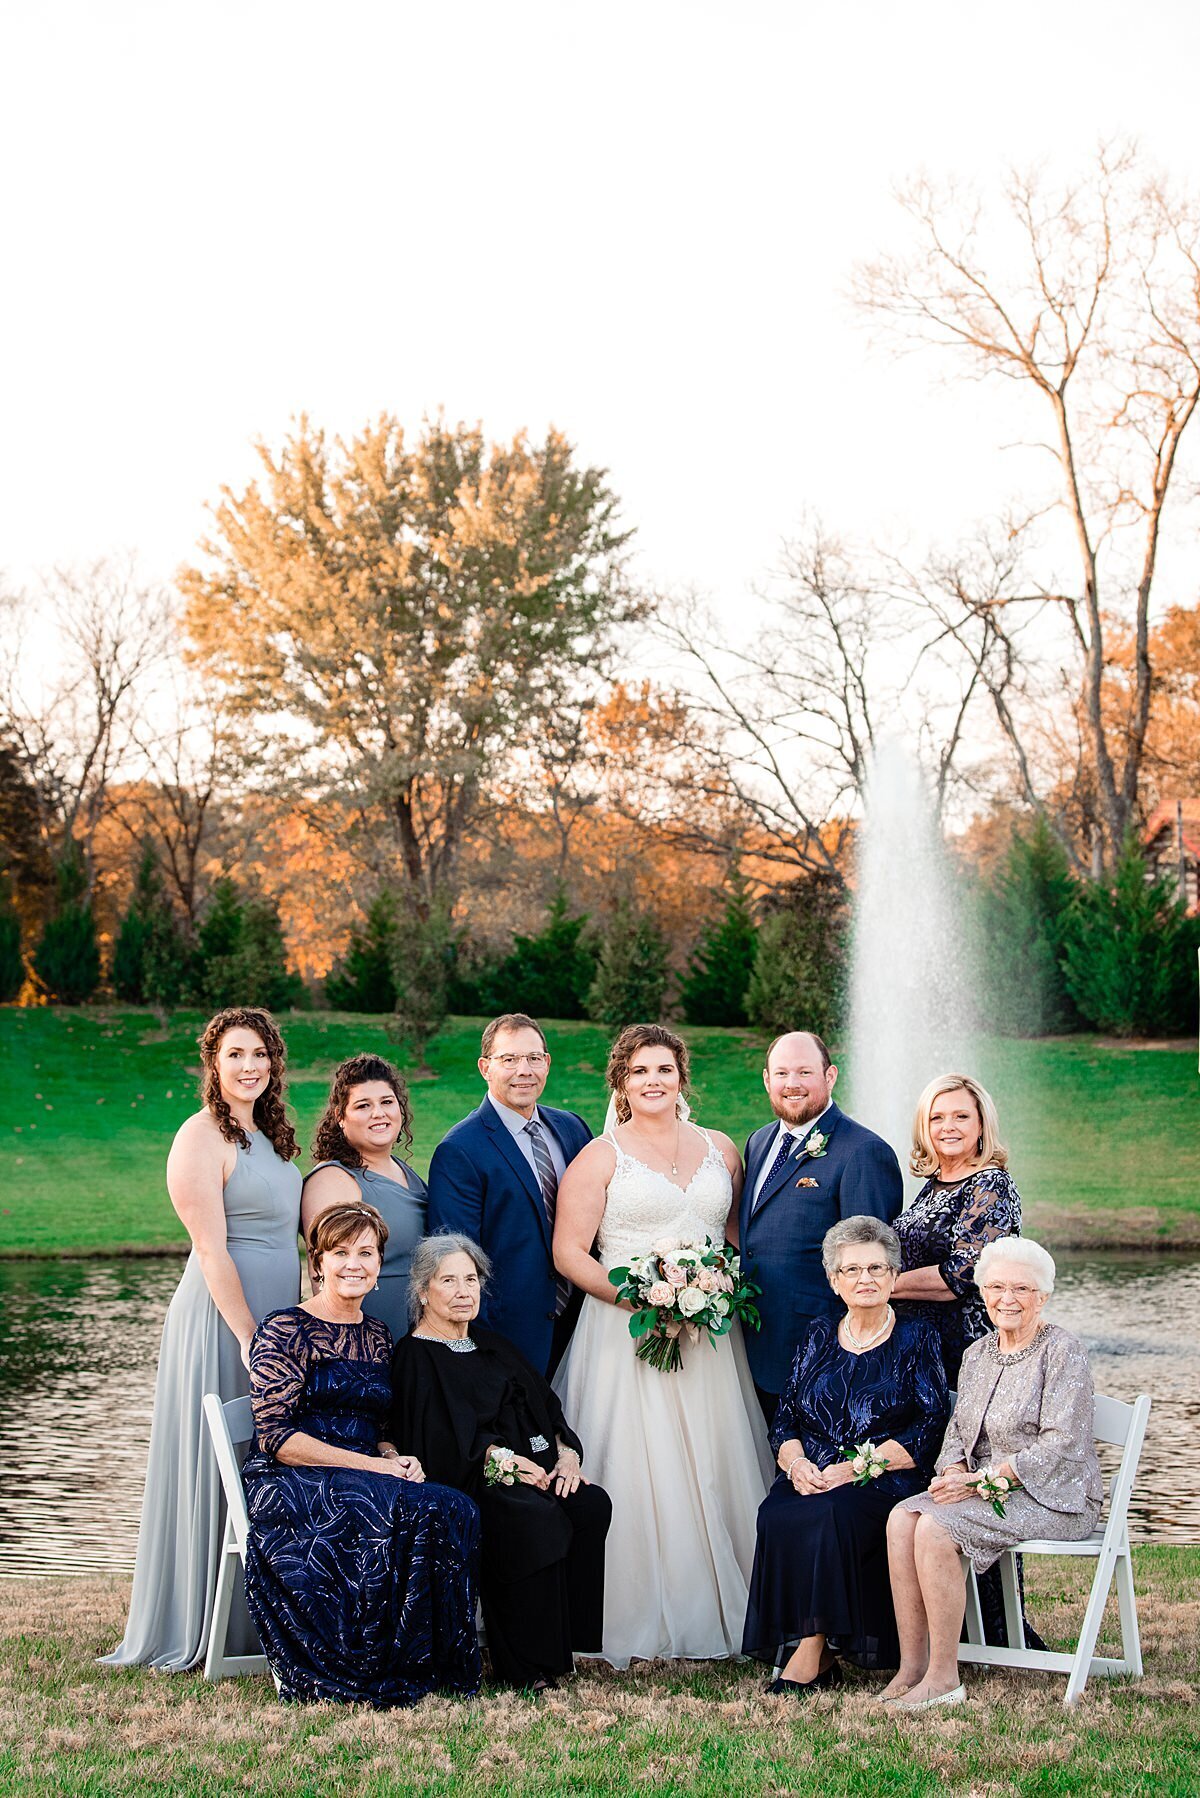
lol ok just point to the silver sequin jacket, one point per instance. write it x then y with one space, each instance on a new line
1034 1409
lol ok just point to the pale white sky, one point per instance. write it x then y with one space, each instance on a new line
633 220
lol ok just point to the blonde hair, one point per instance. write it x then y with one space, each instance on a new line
989 1150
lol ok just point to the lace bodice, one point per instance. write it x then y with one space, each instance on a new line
644 1205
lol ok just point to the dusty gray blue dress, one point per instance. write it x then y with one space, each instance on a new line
183 1512
402 1209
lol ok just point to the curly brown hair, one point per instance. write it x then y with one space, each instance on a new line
329 1143
269 1113
633 1038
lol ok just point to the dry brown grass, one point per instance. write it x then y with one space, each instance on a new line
68 1727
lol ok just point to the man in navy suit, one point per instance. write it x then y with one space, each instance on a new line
494 1177
806 1170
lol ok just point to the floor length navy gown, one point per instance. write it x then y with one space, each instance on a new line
362 1585
820 1565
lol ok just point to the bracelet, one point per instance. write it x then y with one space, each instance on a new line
787 1472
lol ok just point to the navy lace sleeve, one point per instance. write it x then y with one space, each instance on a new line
791 1413
991 1208
280 1354
920 1373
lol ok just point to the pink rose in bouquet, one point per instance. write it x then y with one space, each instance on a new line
684 1290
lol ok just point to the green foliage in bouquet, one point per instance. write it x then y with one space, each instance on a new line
692 1288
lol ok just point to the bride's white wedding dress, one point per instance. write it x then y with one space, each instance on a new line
684 1455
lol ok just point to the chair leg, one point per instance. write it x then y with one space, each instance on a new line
1010 1586
973 1613
214 1660
1131 1641
1089 1635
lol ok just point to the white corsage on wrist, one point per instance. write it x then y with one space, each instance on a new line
995 1487
500 1467
867 1462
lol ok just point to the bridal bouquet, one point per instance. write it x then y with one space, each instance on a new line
684 1287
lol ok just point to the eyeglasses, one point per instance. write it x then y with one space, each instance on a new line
994 1288
537 1060
876 1270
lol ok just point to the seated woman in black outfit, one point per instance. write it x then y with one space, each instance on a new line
482 1419
820 1577
359 1577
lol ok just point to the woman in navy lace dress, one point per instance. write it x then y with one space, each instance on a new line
967 1201
820 1579
360 1578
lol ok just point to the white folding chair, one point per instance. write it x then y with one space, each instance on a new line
1125 1426
230 1426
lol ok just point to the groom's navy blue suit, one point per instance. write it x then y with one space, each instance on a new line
481 1185
781 1237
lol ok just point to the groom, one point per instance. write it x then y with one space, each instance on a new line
494 1177
806 1170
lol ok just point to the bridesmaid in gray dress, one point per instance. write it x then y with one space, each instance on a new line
367 1113
231 1179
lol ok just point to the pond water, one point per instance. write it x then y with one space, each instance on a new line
79 1342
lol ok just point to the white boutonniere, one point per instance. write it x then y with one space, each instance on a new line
815 1146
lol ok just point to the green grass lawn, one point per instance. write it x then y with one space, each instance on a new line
1105 1140
69 1729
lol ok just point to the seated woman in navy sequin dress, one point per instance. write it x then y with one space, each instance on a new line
360 1578
820 1567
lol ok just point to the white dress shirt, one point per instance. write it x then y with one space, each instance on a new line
801 1132
515 1123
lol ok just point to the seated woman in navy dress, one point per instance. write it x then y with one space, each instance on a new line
865 1380
360 1578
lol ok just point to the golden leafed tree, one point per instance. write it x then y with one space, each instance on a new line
401 616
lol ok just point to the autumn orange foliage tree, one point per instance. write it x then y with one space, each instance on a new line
401 617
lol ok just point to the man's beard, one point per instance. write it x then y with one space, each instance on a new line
812 1108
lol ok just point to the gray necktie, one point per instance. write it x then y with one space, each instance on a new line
548 1181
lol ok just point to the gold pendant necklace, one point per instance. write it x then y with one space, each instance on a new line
674 1158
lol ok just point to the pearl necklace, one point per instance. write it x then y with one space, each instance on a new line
886 1325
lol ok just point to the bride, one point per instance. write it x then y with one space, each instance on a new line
684 1454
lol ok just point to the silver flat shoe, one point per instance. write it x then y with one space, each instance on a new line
956 1695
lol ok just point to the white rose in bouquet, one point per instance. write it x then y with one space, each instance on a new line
691 1300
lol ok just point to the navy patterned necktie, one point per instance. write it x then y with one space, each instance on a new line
787 1145
548 1181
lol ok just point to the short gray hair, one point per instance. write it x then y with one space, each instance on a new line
861 1230
1025 1253
428 1256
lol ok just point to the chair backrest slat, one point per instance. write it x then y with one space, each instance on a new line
230 1426
1134 1434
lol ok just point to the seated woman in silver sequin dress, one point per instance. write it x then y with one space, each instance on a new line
1025 1412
